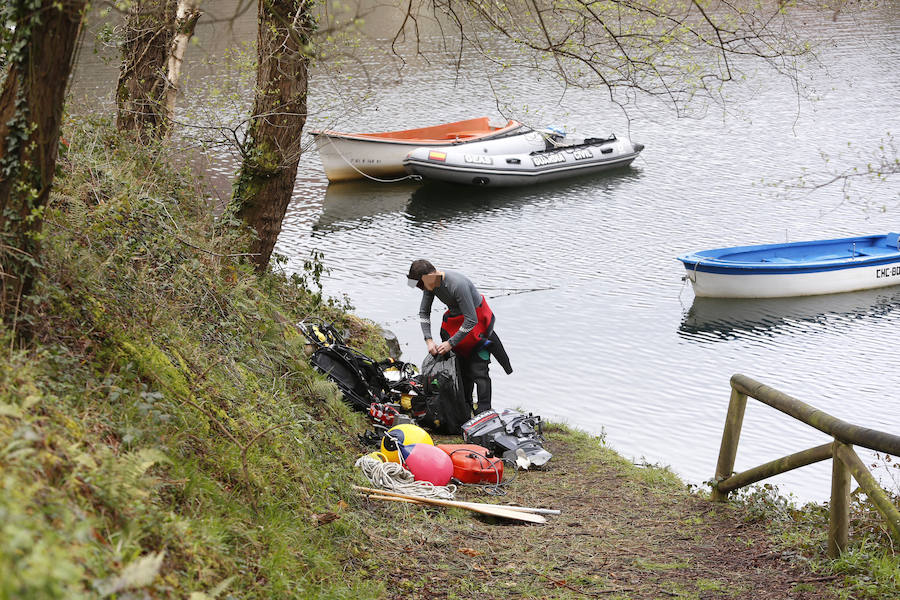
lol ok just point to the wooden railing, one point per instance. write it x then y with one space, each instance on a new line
846 461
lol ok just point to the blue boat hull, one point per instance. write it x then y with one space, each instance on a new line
796 269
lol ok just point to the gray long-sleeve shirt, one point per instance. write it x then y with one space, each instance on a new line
461 298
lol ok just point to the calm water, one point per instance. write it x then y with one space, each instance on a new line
602 331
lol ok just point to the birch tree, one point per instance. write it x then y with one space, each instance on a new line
186 16
155 36
38 39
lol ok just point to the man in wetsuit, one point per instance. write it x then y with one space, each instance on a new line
467 328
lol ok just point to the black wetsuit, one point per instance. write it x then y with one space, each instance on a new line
462 298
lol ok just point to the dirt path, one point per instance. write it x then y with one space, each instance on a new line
625 532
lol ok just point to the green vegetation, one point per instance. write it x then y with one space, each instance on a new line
165 430
869 568
163 436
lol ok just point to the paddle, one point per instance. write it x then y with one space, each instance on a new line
526 509
488 509
537 511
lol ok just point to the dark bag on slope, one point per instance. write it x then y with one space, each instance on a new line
359 377
440 405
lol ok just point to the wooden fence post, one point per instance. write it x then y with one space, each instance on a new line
874 493
845 462
839 510
734 420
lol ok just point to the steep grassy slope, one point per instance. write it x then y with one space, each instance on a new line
162 435
164 430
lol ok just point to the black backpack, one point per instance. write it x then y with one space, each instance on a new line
360 378
440 404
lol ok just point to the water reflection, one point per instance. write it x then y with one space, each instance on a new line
434 201
348 203
718 319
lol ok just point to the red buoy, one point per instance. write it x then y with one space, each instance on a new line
427 463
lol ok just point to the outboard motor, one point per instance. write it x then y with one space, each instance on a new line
510 434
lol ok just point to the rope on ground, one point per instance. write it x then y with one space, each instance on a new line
392 476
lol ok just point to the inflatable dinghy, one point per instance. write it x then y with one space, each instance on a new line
561 156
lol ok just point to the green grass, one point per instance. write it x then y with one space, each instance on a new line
162 434
163 429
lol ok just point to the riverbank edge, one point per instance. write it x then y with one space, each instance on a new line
631 530
163 434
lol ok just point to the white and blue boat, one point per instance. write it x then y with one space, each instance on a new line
796 268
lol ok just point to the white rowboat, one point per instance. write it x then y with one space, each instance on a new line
796 269
348 156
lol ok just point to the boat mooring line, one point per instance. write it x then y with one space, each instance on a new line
514 291
366 175
684 279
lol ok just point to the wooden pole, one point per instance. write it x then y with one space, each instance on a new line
879 441
730 437
776 467
871 487
839 517
845 461
489 510
528 509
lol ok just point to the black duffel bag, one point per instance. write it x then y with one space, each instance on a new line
440 404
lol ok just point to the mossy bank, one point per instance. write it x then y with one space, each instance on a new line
162 435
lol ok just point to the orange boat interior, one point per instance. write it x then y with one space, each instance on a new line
460 130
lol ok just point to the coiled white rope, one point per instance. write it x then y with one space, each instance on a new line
392 476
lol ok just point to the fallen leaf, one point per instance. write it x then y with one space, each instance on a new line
469 551
323 518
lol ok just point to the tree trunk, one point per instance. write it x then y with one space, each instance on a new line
31 104
272 148
185 21
141 91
